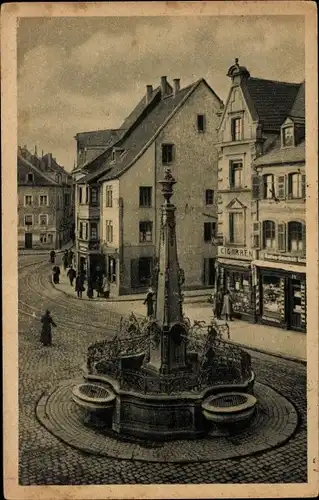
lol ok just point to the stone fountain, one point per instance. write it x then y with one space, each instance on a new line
164 378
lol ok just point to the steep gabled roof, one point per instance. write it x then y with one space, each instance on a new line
98 137
279 155
40 178
142 135
298 109
272 100
139 108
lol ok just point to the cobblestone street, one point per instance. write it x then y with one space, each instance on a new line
45 460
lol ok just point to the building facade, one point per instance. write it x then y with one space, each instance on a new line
45 203
170 128
280 233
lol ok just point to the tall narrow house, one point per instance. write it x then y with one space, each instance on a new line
254 117
118 199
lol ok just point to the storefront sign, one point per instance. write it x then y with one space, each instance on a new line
284 258
236 253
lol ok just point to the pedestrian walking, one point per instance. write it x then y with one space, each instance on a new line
46 333
71 274
149 303
106 287
79 285
56 274
99 285
65 260
90 291
227 306
219 298
71 254
52 256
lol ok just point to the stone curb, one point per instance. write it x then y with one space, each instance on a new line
270 353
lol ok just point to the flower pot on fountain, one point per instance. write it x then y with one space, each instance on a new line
162 370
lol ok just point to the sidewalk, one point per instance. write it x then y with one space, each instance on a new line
36 251
267 339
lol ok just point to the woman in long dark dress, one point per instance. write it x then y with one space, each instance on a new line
52 256
46 334
149 303
56 274
79 285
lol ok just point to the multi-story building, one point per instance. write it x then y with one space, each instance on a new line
252 121
118 200
45 204
279 226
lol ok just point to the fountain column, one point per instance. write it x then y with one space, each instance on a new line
168 332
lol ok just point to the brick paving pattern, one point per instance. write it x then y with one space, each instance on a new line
45 460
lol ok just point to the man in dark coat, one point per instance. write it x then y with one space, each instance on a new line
65 260
149 303
71 274
46 334
219 303
56 274
71 258
79 285
52 256
90 292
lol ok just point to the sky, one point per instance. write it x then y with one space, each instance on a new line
79 74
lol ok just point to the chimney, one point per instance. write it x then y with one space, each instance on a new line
163 86
176 85
49 159
42 154
149 93
35 151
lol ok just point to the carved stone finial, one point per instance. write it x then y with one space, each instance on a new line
167 184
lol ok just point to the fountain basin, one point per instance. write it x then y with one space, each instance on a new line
229 408
94 398
159 416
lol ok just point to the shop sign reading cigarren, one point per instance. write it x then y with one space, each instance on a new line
236 253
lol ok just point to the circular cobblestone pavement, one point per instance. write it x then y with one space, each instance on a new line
46 460
275 420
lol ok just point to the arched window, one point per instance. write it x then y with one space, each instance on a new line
269 234
296 237
268 186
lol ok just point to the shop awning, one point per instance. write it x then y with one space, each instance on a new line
233 262
279 265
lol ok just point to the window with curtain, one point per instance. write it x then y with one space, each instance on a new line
295 185
236 228
269 234
296 237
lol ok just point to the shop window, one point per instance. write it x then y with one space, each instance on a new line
269 234
108 196
236 172
236 228
167 154
270 297
145 196
45 238
268 186
146 229
296 186
209 231
296 237
209 196
236 129
109 231
144 270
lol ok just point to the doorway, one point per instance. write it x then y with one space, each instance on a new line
294 304
209 272
28 240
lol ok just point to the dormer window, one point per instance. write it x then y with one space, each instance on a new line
116 153
30 177
288 136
